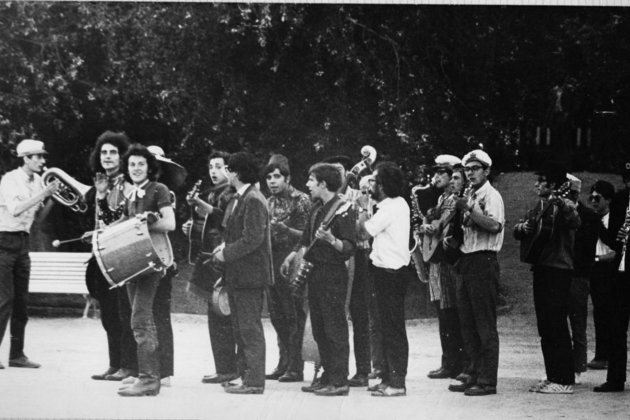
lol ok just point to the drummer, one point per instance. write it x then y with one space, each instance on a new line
150 197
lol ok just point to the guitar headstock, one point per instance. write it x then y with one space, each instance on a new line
194 190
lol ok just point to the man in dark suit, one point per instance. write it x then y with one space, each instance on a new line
248 269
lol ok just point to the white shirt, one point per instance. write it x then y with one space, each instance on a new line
487 200
390 228
601 248
17 187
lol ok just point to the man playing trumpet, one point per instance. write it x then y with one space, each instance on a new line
21 195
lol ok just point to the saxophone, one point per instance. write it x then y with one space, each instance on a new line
417 219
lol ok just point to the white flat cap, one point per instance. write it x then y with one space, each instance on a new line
30 147
447 160
479 156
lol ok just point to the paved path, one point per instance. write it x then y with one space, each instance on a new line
70 350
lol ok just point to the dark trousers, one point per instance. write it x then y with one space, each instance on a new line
246 312
360 305
578 314
477 290
115 318
454 357
618 356
15 270
162 317
601 282
288 317
222 341
141 293
551 302
327 288
390 287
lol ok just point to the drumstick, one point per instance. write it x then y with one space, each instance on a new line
86 235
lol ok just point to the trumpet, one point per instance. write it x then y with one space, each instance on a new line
71 193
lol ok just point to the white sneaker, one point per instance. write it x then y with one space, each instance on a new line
578 378
540 385
554 388
166 381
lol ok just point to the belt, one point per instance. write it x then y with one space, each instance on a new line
481 252
18 233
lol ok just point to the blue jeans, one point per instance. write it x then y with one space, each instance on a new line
141 296
15 270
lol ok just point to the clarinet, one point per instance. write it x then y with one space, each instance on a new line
622 236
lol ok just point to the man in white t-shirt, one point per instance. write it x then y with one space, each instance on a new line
389 226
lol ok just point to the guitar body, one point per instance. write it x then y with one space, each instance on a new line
544 225
432 247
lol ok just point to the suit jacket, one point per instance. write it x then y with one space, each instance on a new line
247 253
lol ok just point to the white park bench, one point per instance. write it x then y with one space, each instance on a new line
60 272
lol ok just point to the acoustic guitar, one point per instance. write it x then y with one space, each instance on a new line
544 226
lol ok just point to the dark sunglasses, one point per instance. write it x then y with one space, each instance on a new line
595 198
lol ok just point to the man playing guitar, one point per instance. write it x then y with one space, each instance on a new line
205 232
553 270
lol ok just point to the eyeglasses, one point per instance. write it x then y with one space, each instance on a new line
473 168
596 198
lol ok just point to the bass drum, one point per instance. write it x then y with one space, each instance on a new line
127 250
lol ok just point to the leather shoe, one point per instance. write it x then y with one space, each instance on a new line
480 390
358 380
290 376
441 373
333 391
389 391
377 387
23 362
219 378
609 387
244 389
598 364
101 377
274 375
141 388
375 374
314 386
120 374
460 386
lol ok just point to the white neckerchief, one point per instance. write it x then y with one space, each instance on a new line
138 191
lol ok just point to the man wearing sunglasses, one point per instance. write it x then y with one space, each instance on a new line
552 268
602 273
477 287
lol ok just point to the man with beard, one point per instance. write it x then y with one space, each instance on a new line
206 229
390 228
21 196
288 209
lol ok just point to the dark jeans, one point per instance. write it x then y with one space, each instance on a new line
390 287
601 281
15 270
618 356
454 357
115 317
578 314
477 290
551 302
327 288
246 312
360 305
288 317
142 292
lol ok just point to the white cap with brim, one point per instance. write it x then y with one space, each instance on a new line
447 161
576 183
479 156
30 147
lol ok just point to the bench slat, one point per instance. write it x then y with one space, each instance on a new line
58 272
